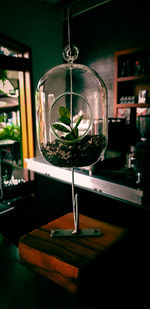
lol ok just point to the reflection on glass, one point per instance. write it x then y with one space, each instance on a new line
70 100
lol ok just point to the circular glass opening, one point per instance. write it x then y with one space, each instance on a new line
70 117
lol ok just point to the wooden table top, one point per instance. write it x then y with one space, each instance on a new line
64 260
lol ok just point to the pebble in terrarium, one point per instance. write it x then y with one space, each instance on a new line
71 113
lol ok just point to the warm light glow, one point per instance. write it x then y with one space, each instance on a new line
29 115
23 117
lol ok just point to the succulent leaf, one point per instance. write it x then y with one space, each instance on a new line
60 127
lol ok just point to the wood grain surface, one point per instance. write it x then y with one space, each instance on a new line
65 260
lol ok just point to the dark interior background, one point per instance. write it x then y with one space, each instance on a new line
100 32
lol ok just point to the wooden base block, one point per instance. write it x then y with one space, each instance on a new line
66 260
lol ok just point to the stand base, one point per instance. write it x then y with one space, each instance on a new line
79 233
75 263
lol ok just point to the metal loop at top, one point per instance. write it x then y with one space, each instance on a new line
70 53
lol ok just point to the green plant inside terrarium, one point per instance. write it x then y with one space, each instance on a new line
70 149
65 124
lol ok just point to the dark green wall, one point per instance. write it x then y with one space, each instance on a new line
39 27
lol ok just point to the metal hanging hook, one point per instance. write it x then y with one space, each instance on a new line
70 52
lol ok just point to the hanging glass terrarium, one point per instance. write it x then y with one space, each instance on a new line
71 109
72 115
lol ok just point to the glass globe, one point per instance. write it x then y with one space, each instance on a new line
71 110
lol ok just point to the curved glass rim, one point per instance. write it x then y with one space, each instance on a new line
75 65
87 130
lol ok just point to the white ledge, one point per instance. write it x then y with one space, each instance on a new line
91 183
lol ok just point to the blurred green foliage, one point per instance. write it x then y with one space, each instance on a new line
10 132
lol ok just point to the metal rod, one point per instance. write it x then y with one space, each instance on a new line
6 210
75 206
68 19
87 9
77 214
71 109
73 199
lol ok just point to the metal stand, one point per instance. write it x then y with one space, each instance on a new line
76 232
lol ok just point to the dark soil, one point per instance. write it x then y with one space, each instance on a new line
82 153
